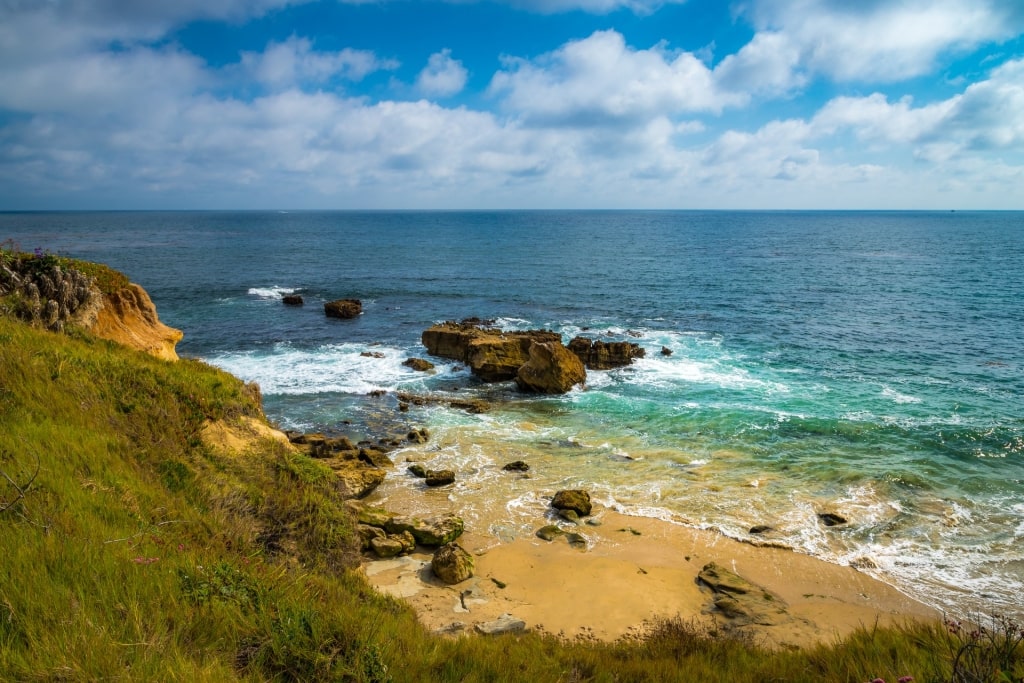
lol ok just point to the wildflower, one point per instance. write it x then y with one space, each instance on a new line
905 679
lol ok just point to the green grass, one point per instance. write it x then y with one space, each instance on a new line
130 551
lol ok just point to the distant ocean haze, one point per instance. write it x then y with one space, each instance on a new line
861 363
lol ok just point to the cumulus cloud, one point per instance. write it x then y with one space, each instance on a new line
443 76
987 116
601 81
877 40
295 62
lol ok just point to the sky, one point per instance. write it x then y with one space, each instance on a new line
505 104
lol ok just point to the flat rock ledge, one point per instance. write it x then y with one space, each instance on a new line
506 623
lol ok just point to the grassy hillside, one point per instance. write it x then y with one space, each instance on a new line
129 550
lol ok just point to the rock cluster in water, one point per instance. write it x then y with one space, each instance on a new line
537 360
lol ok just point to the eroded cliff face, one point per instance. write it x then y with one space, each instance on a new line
128 317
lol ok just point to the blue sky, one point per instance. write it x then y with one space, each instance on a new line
329 104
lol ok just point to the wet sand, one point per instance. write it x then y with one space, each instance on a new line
635 570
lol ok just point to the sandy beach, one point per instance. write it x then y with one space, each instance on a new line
633 571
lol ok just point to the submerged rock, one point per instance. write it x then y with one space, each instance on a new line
440 477
516 466
550 532
452 564
831 519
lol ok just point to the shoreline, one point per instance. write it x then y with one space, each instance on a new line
633 572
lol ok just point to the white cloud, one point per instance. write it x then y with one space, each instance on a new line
987 116
443 76
601 81
641 7
767 65
294 62
878 40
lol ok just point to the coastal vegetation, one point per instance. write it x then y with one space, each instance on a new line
134 549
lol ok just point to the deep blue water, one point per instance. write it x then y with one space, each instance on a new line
867 362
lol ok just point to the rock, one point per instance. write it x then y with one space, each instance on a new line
367 533
417 470
740 601
371 354
403 407
578 541
831 519
440 477
550 532
551 369
569 516
432 531
418 364
574 499
375 457
356 480
418 436
343 308
392 546
292 300
601 355
452 564
761 529
506 623
517 466
492 355
319 446
665 351
368 516
473 405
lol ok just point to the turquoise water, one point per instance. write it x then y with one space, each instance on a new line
869 364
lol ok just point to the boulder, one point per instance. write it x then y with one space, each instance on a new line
440 477
551 369
740 601
388 546
372 354
418 364
432 531
418 435
665 351
516 466
343 308
601 355
452 564
356 480
417 470
576 500
292 300
367 533
375 457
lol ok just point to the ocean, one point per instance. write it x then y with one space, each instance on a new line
868 364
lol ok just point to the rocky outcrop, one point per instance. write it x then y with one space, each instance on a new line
576 500
292 300
506 623
129 317
491 354
739 601
452 564
432 531
601 355
471 405
343 308
418 364
551 369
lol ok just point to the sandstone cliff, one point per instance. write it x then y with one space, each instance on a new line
129 317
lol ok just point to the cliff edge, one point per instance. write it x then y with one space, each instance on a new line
128 316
